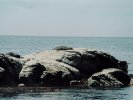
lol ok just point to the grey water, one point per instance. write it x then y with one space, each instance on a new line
120 47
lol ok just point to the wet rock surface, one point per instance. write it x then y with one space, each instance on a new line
62 66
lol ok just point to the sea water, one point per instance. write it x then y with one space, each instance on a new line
120 47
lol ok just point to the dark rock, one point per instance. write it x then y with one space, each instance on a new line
13 55
131 76
58 74
30 74
90 62
121 76
53 79
9 71
110 77
123 66
94 61
6 79
63 48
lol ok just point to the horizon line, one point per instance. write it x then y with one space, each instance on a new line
69 36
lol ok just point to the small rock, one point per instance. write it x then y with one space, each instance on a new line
76 83
63 48
13 55
21 85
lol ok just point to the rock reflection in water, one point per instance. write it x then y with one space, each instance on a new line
65 94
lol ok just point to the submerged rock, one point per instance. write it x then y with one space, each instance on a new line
110 77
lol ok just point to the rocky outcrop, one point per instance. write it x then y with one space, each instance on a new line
62 66
110 77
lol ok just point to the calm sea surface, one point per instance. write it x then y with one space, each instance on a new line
121 48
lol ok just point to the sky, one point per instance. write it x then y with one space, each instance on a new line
105 18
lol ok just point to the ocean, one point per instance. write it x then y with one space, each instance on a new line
119 47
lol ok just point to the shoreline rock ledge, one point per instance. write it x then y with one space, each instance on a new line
63 66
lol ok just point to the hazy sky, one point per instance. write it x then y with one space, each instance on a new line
66 17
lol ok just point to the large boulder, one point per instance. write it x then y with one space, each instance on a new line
58 74
9 71
110 77
95 61
30 74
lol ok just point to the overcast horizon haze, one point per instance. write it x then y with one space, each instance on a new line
91 18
